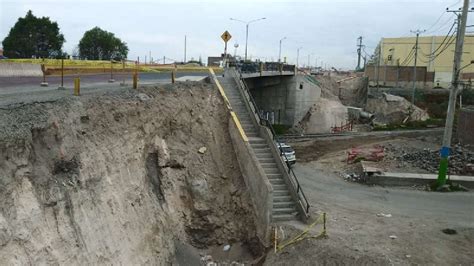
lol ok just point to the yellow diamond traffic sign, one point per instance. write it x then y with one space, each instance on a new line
226 36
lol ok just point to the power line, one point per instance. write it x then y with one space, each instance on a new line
409 57
443 26
446 46
442 42
459 1
436 22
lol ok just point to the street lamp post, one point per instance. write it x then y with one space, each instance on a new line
298 56
247 31
279 53
309 60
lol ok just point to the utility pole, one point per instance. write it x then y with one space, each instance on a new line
417 32
359 52
184 49
448 129
379 57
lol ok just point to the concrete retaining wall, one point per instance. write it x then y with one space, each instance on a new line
258 185
466 126
9 69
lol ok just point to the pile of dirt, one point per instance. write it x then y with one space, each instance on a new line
391 109
120 178
461 159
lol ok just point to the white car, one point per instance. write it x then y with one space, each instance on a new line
287 153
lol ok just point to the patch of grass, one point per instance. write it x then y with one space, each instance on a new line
281 129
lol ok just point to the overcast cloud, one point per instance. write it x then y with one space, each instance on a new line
325 29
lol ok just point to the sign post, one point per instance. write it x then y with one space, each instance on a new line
225 37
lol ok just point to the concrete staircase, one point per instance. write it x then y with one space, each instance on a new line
283 205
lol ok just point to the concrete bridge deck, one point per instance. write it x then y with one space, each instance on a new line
267 74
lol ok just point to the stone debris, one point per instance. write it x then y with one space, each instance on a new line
353 177
143 97
386 215
428 159
202 150
393 237
392 109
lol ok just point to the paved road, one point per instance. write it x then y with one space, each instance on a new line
28 89
13 83
455 208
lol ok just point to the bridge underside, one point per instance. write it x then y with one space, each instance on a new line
283 99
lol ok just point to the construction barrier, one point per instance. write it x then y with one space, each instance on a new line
8 69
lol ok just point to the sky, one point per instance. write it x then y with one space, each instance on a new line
325 30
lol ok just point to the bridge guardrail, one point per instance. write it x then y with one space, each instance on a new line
256 67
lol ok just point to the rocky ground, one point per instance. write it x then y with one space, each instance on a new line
461 160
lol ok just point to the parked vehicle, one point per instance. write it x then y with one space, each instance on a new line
287 153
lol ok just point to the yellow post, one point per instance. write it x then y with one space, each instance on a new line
324 224
135 81
77 86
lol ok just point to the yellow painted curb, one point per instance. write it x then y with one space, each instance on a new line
234 116
239 126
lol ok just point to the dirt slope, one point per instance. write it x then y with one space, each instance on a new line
119 179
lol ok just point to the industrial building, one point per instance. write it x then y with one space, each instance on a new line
434 61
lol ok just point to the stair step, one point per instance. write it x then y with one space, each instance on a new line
261 150
264 155
279 186
278 193
277 211
277 182
257 140
283 217
281 198
249 128
274 176
259 145
271 165
283 204
271 170
266 160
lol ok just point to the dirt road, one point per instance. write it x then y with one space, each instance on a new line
358 236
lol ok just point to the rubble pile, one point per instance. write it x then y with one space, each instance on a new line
460 161
392 109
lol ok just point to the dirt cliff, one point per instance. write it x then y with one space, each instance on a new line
120 178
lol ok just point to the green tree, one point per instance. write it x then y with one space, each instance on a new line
34 37
98 44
